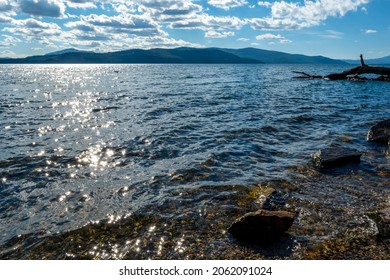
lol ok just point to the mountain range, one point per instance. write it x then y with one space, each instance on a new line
183 55
177 55
377 61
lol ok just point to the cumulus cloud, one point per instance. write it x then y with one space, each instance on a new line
34 30
274 24
120 24
227 4
8 41
218 35
5 19
48 8
269 36
83 4
264 4
272 38
129 24
5 6
209 22
293 15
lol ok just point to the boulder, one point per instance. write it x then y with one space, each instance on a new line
262 225
336 156
380 132
382 220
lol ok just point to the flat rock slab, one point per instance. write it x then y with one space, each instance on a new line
262 225
380 132
336 156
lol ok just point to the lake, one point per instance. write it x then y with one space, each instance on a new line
156 161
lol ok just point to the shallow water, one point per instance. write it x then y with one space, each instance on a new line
156 161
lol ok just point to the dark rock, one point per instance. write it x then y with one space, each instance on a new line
336 156
382 220
380 132
262 225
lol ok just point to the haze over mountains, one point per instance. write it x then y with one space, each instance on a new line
182 55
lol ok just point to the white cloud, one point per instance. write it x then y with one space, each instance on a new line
274 24
285 41
124 9
370 31
264 4
9 41
293 15
273 39
48 8
215 34
209 22
269 36
83 4
34 30
128 24
227 4
5 19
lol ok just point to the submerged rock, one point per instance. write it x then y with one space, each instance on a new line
388 151
382 220
380 132
262 225
266 197
336 156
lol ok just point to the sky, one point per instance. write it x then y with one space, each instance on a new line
340 29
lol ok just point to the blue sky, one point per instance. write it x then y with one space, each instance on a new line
333 28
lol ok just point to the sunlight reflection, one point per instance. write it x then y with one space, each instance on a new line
179 247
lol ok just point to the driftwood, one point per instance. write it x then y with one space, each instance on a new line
353 74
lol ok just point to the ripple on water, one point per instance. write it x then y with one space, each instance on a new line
155 161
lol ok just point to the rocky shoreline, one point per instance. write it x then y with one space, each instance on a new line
269 225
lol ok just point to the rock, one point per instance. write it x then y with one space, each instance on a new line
380 132
262 225
336 156
388 151
382 220
266 197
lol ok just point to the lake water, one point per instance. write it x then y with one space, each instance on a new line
156 161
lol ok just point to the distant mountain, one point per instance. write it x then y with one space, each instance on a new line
377 61
274 57
178 55
71 50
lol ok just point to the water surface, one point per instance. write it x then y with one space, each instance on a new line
156 161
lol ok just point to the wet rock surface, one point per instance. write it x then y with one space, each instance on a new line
336 156
266 197
382 220
380 132
262 225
